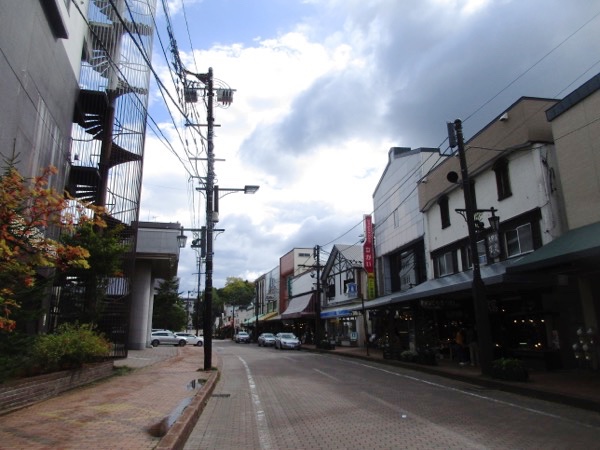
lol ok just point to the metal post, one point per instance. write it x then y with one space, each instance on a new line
207 323
318 334
256 307
482 318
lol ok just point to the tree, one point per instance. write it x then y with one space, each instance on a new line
169 309
237 292
30 213
105 260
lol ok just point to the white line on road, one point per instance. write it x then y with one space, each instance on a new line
326 375
483 397
264 437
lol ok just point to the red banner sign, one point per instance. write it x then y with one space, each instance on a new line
368 250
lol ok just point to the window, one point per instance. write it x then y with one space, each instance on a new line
408 272
444 264
331 288
519 240
396 218
350 288
502 178
444 211
481 252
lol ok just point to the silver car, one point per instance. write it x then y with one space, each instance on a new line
287 340
166 337
242 336
192 339
266 340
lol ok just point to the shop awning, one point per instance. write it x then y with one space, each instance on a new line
580 246
299 307
346 311
492 274
261 318
267 316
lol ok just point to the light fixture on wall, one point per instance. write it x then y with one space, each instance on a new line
181 239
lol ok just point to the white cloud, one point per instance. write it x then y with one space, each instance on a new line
318 105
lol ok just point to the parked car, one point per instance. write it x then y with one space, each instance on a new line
242 336
192 339
166 337
287 340
266 340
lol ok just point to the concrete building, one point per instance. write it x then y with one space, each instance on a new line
574 256
41 44
156 257
75 93
399 226
294 262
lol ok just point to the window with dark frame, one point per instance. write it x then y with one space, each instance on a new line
502 178
444 211
481 253
445 264
519 240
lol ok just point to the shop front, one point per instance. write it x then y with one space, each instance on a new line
343 326
299 317
527 318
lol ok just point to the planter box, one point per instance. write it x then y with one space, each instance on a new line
27 391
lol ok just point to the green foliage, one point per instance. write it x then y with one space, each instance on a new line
408 356
30 213
510 369
169 310
237 292
106 250
15 354
70 347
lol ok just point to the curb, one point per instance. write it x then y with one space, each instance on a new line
178 434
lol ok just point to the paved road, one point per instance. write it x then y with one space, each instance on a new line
272 399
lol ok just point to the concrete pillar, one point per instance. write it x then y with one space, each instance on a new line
141 298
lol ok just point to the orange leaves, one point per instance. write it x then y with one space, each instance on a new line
29 209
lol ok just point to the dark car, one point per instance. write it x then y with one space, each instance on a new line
242 336
266 340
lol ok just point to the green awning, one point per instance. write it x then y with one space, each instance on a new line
261 317
576 247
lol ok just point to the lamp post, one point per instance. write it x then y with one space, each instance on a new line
224 96
482 318
256 311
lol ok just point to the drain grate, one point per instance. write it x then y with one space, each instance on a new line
221 395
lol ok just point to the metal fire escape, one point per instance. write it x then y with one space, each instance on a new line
108 144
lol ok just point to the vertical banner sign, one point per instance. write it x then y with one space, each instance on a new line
369 256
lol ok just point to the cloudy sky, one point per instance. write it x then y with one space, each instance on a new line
324 88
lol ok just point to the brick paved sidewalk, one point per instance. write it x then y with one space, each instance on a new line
122 412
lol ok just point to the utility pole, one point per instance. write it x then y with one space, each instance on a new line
210 176
482 317
318 334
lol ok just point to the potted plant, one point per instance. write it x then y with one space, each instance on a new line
408 356
509 369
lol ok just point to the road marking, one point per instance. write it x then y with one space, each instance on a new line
326 375
264 437
472 394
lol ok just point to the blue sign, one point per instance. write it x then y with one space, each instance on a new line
334 314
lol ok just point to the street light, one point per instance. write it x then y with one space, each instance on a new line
181 239
212 216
